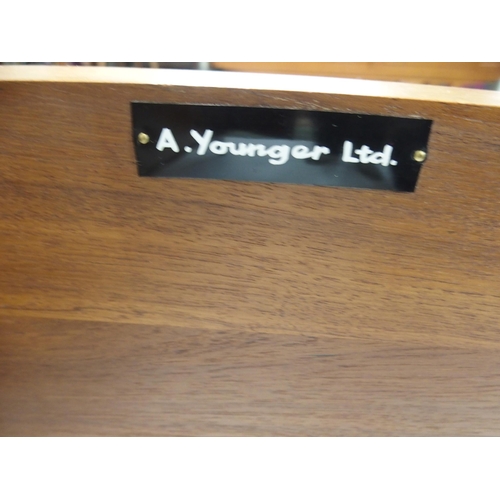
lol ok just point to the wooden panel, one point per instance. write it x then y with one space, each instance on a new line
159 306
437 73
90 378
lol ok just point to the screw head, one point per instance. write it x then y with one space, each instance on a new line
143 138
419 155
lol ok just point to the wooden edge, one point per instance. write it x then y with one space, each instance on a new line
252 81
437 73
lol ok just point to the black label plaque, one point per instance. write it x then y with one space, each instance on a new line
279 145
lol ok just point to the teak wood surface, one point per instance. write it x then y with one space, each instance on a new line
146 306
437 73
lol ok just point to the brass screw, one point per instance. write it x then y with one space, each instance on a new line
419 155
143 138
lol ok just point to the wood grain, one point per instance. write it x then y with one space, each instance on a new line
90 378
171 306
435 73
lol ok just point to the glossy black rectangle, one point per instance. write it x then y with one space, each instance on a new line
279 145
